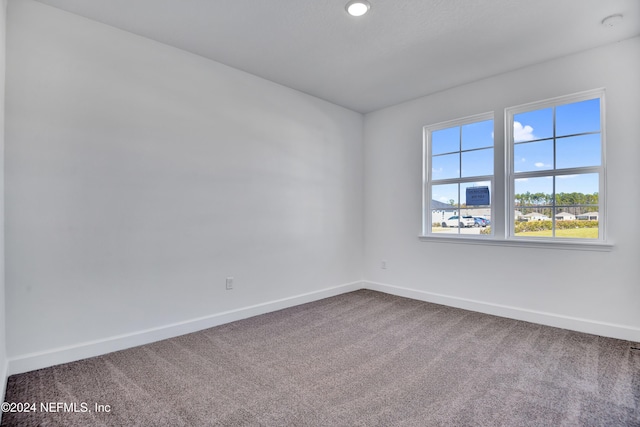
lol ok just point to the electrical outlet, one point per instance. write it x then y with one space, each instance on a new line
229 283
383 264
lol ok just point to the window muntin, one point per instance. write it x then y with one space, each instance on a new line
556 168
458 155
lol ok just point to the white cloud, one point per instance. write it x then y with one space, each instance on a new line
522 133
542 165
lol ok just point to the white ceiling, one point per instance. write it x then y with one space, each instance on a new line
400 50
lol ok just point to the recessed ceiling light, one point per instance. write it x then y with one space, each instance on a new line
612 21
357 7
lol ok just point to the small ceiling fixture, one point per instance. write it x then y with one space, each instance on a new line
358 7
612 21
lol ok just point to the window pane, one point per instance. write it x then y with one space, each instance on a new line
573 223
577 189
447 217
461 146
480 213
532 125
578 151
477 135
445 141
444 205
533 207
477 162
445 166
533 156
533 192
577 212
578 117
556 167
447 194
475 185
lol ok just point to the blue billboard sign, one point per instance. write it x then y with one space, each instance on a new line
477 196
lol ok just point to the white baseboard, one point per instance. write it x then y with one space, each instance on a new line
550 319
32 361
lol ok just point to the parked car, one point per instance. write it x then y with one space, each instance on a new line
457 221
480 221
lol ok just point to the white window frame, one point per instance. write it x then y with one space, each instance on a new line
511 175
427 182
503 206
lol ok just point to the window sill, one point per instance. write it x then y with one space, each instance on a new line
522 243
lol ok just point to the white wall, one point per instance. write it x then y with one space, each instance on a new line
3 348
592 291
139 176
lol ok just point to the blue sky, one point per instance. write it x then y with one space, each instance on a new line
533 133
477 137
584 183
533 151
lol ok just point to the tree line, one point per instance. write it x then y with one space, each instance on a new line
543 199
574 203
566 199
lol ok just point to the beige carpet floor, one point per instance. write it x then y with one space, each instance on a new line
359 359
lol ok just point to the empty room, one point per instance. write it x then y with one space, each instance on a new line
320 213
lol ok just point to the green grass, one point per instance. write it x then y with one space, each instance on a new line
575 233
